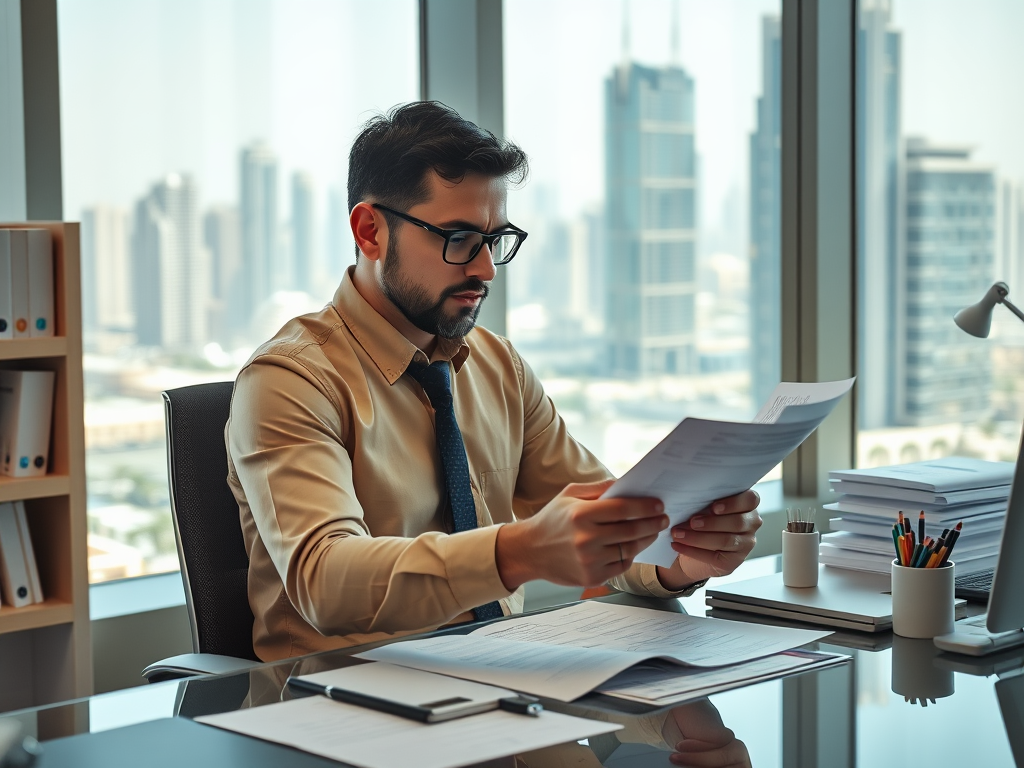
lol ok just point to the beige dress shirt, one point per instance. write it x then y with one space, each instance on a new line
333 460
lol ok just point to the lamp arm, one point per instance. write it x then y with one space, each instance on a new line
1012 308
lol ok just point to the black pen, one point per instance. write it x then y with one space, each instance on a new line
437 712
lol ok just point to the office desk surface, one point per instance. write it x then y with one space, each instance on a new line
900 703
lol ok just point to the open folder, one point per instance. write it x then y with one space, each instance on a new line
703 460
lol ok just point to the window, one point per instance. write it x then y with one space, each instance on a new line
649 289
941 217
204 150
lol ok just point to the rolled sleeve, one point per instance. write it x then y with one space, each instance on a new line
642 579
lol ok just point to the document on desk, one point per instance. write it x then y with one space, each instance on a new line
702 460
566 653
371 739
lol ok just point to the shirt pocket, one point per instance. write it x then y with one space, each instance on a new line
497 487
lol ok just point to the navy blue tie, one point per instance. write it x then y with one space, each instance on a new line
434 379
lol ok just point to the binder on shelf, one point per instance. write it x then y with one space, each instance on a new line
39 247
26 411
6 306
19 283
28 552
14 580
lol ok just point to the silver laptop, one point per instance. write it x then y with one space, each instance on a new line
1001 627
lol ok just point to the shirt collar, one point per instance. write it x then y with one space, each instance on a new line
390 351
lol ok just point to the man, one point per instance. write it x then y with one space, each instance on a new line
398 469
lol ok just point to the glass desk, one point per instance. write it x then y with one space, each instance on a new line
898 702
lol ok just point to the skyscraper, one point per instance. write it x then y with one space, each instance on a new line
651 218
170 268
766 220
106 272
222 236
303 233
945 375
880 214
261 265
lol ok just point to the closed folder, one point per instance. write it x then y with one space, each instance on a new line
26 411
28 552
6 307
14 580
19 283
40 281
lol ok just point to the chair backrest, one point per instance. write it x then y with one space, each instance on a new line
214 563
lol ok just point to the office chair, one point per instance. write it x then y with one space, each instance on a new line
211 551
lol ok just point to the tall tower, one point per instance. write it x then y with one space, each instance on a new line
222 236
106 272
650 173
880 220
260 235
945 375
170 267
303 233
766 220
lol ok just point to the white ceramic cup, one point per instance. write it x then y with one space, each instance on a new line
800 559
922 600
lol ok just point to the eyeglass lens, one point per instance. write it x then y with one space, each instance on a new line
463 246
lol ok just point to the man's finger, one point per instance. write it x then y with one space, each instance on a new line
741 502
611 511
736 523
587 490
722 542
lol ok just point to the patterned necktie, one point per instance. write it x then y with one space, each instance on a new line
434 379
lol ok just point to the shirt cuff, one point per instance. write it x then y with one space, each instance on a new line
642 579
472 568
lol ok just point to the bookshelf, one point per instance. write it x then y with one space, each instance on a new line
45 649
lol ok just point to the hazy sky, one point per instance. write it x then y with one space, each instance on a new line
155 86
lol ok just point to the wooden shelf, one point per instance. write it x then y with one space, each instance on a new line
18 349
46 614
22 488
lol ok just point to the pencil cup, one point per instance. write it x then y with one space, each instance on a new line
922 600
800 559
915 676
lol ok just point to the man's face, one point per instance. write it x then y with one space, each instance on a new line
440 298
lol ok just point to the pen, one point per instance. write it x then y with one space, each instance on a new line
920 526
521 705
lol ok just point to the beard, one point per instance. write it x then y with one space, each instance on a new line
420 309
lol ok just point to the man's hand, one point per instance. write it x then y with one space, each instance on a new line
714 541
578 539
702 740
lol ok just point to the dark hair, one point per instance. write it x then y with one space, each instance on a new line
393 153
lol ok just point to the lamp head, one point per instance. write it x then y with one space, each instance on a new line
977 318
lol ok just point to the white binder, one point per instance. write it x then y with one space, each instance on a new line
26 412
6 308
19 283
14 581
28 552
40 282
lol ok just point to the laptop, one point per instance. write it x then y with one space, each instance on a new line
1001 627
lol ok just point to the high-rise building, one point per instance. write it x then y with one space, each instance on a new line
766 220
170 267
340 250
650 174
880 214
106 273
222 236
261 264
945 375
303 233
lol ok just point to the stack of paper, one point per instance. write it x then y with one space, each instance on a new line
947 490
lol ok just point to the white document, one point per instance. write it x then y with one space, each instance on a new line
660 685
6 305
40 282
894 495
371 739
954 473
703 460
566 653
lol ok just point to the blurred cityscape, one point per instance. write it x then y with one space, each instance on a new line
632 316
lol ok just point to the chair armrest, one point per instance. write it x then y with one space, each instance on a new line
192 664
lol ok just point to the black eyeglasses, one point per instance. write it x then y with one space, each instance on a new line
462 245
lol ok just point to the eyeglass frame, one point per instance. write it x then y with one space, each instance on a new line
448 234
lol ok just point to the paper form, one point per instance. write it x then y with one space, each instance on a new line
566 653
371 739
703 460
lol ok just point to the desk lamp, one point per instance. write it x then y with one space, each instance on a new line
977 318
